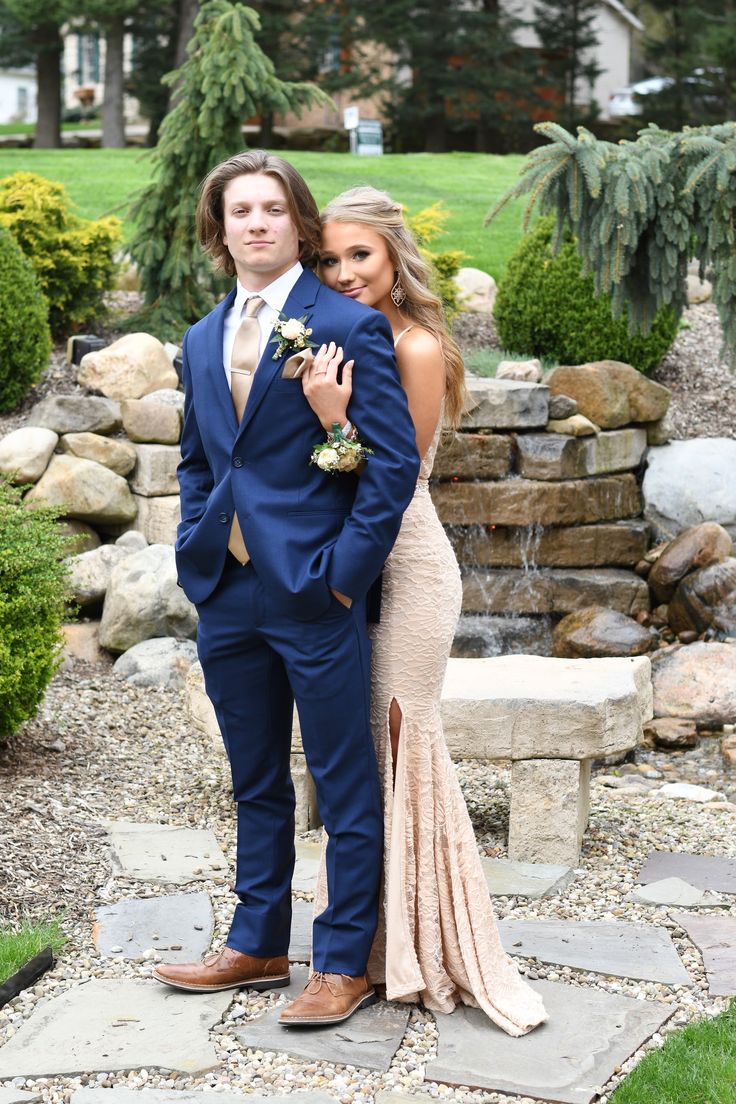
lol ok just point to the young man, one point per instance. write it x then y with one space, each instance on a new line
279 557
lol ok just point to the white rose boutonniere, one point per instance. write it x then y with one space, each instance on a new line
291 335
339 453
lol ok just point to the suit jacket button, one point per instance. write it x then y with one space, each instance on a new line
224 519
237 462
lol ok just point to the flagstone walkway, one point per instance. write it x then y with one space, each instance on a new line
616 972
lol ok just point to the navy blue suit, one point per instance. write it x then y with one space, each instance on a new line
272 631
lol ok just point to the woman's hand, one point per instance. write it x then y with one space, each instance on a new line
328 398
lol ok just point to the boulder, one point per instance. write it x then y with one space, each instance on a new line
133 540
151 422
528 370
671 732
89 572
200 710
143 601
706 599
168 396
728 750
577 425
84 490
562 406
697 682
610 393
699 546
556 456
476 290
688 482
112 453
162 661
158 518
660 432
505 404
474 456
155 470
76 414
132 366
84 537
598 632
698 291
82 642
25 453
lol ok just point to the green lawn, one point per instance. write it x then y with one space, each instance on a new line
30 128
103 181
18 945
695 1066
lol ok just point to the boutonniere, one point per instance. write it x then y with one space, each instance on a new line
291 335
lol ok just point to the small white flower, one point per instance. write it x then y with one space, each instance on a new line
292 329
348 460
327 459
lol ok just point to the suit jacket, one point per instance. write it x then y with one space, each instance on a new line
306 530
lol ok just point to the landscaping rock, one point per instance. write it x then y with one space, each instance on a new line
163 853
577 425
155 470
660 432
611 393
132 366
561 407
118 456
76 414
671 732
476 290
554 456
699 546
555 590
703 871
84 490
532 880
689 482
168 396
143 601
152 422
178 927
617 543
505 404
25 453
132 540
82 642
698 682
518 502
669 891
473 456
550 800
529 371
157 518
706 599
715 938
158 662
90 572
599 631
698 291
686 791
84 537
728 750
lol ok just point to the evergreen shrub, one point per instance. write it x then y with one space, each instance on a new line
73 257
546 307
32 605
25 340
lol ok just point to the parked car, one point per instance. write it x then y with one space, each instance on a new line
703 85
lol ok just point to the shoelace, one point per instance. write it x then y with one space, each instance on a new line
319 978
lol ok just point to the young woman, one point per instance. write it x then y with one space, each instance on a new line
437 938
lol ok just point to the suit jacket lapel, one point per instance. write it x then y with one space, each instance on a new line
301 298
218 379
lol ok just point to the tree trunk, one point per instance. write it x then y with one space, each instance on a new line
188 12
435 140
113 118
48 46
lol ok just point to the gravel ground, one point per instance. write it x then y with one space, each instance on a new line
101 748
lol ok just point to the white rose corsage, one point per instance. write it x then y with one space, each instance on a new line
291 335
339 453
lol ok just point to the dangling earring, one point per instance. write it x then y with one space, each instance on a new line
398 295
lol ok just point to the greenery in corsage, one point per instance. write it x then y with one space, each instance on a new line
291 335
338 453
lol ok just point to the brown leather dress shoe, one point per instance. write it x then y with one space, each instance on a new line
328 999
225 969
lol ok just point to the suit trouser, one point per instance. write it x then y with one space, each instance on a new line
255 663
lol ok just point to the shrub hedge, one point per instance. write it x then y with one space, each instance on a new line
546 307
25 340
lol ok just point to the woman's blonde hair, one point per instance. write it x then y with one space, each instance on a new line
378 210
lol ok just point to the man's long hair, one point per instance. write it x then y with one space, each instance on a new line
301 203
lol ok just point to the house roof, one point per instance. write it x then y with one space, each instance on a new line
625 14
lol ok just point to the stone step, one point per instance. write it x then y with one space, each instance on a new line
526 501
505 404
607 544
552 590
558 456
474 456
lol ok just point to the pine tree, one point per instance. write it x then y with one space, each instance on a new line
640 211
225 79
111 18
567 33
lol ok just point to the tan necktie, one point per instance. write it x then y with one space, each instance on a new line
243 363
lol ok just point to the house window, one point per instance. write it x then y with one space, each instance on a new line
22 108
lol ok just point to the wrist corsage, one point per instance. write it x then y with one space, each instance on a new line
291 335
339 453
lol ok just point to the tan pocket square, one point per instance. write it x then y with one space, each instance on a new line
295 366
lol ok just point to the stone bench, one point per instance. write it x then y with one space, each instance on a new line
549 717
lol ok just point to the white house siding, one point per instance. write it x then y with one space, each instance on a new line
84 67
17 96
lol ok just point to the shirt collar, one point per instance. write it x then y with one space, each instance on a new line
274 294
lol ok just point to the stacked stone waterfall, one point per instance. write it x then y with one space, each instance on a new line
540 492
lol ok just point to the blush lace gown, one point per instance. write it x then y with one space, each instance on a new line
437 939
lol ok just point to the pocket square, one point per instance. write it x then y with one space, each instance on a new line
295 366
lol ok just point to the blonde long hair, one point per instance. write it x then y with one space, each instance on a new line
378 210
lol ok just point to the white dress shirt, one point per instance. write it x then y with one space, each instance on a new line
274 295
